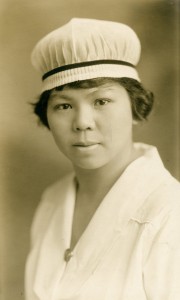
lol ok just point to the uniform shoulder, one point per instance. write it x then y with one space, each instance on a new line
50 200
163 201
52 191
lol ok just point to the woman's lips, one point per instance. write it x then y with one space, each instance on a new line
86 146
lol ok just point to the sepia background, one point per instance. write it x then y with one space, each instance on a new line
29 158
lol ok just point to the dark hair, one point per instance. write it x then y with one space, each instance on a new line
141 99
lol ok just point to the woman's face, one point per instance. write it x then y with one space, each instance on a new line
91 126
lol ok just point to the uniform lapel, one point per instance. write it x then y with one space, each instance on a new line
57 238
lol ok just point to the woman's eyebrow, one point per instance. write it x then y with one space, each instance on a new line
60 96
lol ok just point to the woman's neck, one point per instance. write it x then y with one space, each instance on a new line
94 183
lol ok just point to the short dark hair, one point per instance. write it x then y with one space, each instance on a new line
141 100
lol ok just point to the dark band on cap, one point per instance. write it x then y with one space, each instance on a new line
86 64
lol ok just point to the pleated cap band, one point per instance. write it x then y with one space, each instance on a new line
86 49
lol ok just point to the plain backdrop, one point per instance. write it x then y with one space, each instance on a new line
30 160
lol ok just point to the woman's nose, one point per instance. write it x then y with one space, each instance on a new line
83 119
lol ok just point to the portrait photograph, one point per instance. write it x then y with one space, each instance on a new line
90 150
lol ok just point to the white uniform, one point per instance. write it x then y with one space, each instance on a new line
130 249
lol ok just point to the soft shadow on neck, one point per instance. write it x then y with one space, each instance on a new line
98 181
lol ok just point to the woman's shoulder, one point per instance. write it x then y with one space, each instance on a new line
60 185
51 199
161 204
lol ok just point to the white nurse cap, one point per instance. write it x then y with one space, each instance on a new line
86 49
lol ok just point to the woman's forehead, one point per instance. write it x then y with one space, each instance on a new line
69 91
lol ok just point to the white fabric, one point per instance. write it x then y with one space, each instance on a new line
130 249
90 72
87 40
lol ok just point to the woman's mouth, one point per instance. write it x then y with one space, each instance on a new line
86 146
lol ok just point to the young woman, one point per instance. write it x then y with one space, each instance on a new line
111 229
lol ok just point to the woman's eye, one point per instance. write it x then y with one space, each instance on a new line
101 102
63 106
